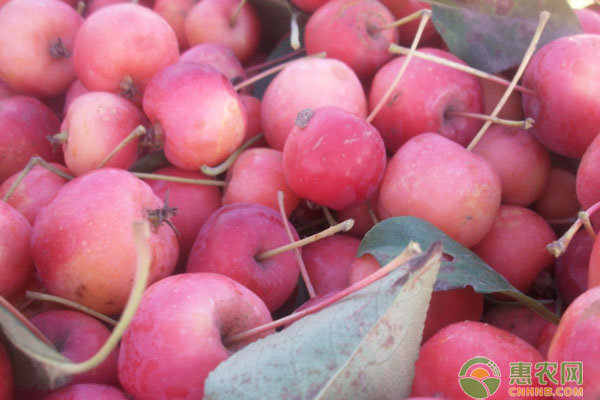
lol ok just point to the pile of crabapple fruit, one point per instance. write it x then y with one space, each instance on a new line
346 134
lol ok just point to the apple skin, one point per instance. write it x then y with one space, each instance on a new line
515 245
576 339
447 350
175 338
231 238
194 203
589 20
559 198
24 124
35 191
26 61
209 21
311 83
521 161
333 158
175 12
78 336
96 123
422 98
571 269
202 117
7 380
256 177
587 181
15 259
354 25
403 8
87 391
91 258
216 55
566 108
433 178
146 44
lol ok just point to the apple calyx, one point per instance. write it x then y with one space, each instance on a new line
304 117
58 50
154 138
163 215
128 88
58 140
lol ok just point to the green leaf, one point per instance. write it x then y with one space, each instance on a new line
363 346
493 35
460 266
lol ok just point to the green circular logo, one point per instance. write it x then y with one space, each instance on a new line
479 378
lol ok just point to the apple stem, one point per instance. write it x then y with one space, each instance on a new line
587 224
401 21
341 227
396 49
544 17
80 7
141 233
273 70
177 179
236 13
372 214
294 31
257 67
559 246
58 139
561 221
424 18
36 160
411 251
525 124
309 286
136 133
65 302
224 166
328 217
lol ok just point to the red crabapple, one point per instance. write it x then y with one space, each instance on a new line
333 158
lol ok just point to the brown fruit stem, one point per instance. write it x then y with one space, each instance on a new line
341 227
266 64
525 124
65 302
30 165
558 247
328 217
273 70
401 21
396 49
544 17
424 18
412 250
224 166
309 286
81 7
136 133
159 177
236 13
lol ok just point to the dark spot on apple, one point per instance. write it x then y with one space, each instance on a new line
57 49
448 257
394 97
80 291
304 117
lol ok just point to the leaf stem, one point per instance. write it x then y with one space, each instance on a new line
33 161
424 18
72 304
224 166
288 231
266 64
464 68
412 250
272 70
177 179
341 227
